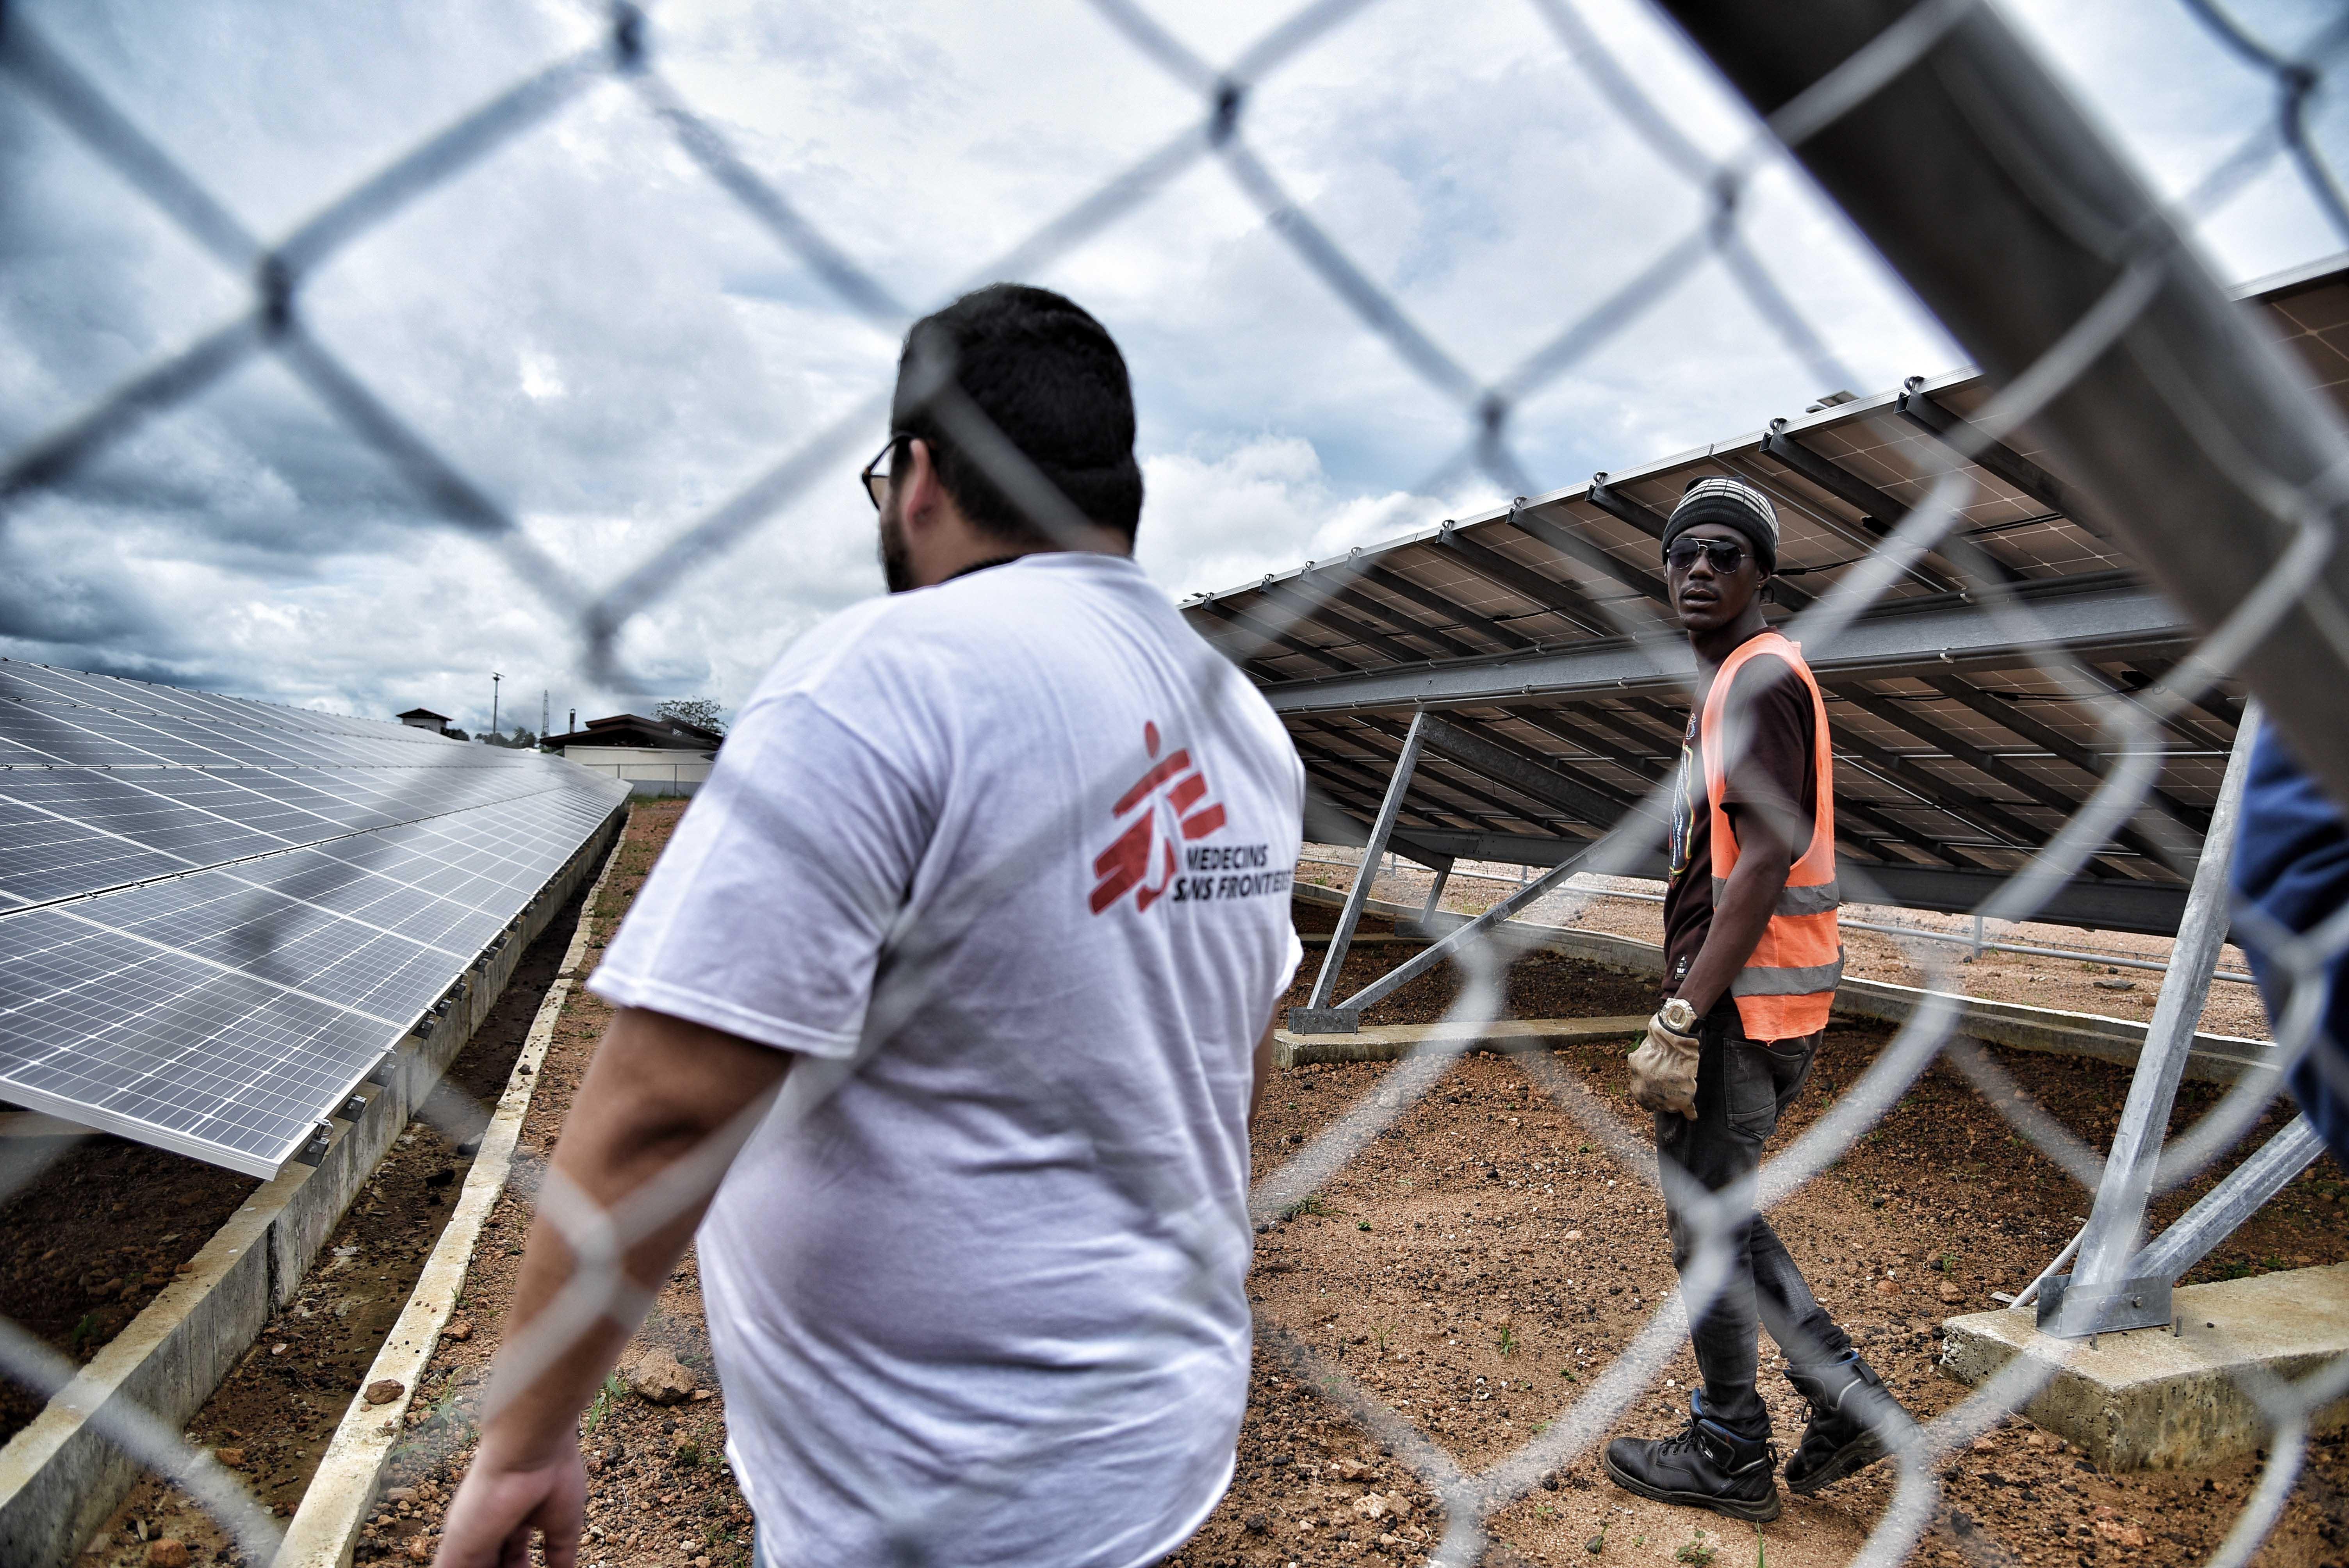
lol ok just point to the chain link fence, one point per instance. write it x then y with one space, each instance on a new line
2137 299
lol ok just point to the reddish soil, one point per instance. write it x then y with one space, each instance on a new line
93 1228
1483 1260
1486 1257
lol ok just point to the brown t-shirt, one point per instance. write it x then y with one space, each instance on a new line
1776 767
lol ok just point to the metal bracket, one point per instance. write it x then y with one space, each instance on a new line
1325 1020
315 1149
354 1108
2142 1303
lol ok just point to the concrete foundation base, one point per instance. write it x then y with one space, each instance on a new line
1393 1042
2149 1399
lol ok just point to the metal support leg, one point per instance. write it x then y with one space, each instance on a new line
1317 1016
2105 1293
1434 898
1444 948
2227 1205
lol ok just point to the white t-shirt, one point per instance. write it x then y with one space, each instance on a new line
1005 861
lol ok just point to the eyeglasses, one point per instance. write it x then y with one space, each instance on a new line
1725 554
873 476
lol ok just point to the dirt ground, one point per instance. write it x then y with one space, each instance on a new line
1476 1267
1484 1259
2071 985
144 1214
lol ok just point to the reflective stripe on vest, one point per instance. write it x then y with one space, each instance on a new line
1754 982
1821 900
1788 984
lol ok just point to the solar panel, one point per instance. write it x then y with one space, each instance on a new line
1539 635
216 915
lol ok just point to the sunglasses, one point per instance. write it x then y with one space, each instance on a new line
1725 554
873 476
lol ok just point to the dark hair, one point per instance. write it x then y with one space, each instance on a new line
1048 376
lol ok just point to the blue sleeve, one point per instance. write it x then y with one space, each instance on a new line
2291 862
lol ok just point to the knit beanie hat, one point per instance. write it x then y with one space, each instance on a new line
1735 504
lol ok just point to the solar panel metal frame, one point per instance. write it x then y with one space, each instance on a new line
1957 759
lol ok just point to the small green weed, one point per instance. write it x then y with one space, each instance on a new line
1361 1224
1309 1204
606 1398
1569 1374
1694 1550
1509 1338
81 1332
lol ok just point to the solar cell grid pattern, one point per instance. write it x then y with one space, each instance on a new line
217 914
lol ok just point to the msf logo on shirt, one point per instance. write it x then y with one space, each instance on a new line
1145 856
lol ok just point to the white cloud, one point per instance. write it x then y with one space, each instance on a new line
1262 506
610 347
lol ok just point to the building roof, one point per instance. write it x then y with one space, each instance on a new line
423 713
1540 635
633 730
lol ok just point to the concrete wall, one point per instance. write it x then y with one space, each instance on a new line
648 770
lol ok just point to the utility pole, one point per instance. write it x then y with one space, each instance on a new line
571 725
544 697
494 679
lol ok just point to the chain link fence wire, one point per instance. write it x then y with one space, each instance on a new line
2304 508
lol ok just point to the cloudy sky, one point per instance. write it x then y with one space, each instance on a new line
602 341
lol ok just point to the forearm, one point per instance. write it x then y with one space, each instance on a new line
1747 901
659 1089
1263 1066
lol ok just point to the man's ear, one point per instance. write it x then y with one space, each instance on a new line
919 490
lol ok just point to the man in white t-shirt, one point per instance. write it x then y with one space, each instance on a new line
992 878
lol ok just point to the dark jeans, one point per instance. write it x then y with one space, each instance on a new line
1742 1088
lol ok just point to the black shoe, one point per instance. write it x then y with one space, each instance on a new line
1852 1413
1707 1466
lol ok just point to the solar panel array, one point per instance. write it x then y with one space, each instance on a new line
216 915
1543 635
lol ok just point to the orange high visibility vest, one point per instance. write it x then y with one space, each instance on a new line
1789 982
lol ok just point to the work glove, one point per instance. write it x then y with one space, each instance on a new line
1664 1068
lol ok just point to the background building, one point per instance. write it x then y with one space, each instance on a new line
654 756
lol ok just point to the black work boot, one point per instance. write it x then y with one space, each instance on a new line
1852 1413
1707 1466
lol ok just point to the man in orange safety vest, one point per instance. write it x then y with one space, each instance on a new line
1751 961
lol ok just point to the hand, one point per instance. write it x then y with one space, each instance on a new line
502 1501
1663 1068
